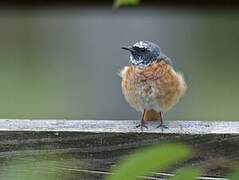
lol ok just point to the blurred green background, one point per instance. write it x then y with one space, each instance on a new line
63 63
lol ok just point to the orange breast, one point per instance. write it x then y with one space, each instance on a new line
156 86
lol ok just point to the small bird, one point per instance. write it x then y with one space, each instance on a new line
149 83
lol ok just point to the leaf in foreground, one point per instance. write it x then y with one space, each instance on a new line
149 159
35 168
118 3
234 175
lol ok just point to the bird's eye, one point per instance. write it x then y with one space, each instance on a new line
143 49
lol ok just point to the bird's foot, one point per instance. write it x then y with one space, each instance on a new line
141 126
162 126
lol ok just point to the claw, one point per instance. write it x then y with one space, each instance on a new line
162 126
142 125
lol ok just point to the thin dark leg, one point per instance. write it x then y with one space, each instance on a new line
161 124
142 122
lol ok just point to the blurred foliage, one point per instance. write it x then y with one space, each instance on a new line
150 159
32 168
118 3
234 175
157 158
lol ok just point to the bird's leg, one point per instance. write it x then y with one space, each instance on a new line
142 122
161 124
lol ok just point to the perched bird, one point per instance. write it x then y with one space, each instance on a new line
149 83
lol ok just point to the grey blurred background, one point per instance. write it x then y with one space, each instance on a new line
63 63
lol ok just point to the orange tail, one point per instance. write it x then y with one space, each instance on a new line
152 115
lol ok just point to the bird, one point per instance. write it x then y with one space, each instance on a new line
150 83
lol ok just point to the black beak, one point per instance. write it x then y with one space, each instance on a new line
129 48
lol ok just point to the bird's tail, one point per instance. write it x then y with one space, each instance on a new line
152 115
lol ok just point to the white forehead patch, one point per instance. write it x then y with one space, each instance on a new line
140 44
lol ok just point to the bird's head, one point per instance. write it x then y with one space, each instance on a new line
143 53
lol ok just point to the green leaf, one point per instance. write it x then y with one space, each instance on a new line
187 173
149 159
118 3
234 175
36 168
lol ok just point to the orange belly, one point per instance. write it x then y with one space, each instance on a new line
156 86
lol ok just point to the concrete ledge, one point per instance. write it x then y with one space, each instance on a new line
120 126
92 147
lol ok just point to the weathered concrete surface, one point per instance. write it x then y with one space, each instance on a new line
80 152
120 126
